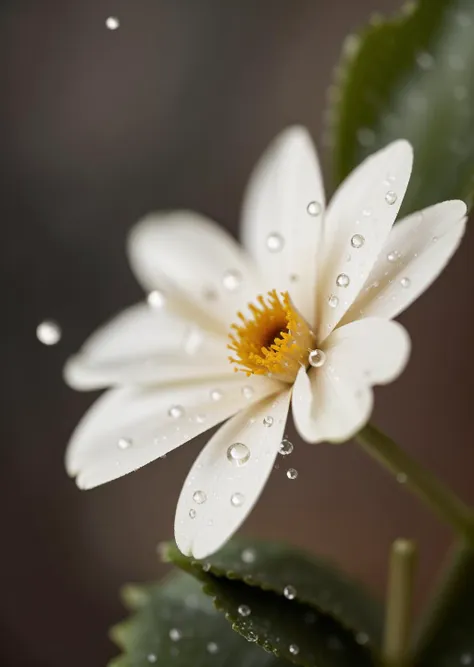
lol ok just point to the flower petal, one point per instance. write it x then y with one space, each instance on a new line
127 428
197 265
143 345
417 250
334 402
227 492
357 224
282 216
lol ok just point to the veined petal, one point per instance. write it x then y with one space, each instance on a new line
144 345
335 401
196 264
219 494
127 428
357 224
417 250
282 217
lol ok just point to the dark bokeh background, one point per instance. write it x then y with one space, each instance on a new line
98 128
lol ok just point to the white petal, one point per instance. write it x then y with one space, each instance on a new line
359 214
197 266
152 422
230 491
278 231
417 250
334 402
143 345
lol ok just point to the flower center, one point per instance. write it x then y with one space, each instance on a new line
275 340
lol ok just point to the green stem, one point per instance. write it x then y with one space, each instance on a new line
437 496
398 619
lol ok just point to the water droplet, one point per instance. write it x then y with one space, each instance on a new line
401 478
333 301
212 648
244 610
316 358
289 592
391 197
294 649
435 239
251 636
467 659
292 473
425 60
365 136
343 280
314 208
156 299
112 23
366 212
248 555
268 421
192 513
393 256
48 332
247 392
238 454
199 497
200 419
286 447
405 282
237 500
362 638
216 394
176 411
357 241
275 242
151 657
124 443
232 280
175 634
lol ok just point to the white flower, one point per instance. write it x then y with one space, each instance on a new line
316 288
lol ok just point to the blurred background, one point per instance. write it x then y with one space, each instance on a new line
99 127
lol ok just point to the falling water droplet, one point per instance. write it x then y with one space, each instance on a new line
244 610
112 23
292 473
175 634
238 454
294 649
248 555
48 332
289 592
212 648
151 657
275 242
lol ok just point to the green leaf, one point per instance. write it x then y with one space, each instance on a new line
411 77
323 619
174 623
448 637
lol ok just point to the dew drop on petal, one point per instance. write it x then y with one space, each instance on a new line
366 212
112 23
212 648
292 473
289 592
199 497
248 555
124 443
316 358
175 634
216 394
192 513
251 636
232 280
48 332
286 447
333 301
294 649
357 241
238 453
343 280
314 208
176 411
393 256
156 299
200 419
405 282
435 239
247 392
391 197
275 242
237 500
268 421
244 610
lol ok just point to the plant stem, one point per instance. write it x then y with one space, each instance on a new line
398 617
437 496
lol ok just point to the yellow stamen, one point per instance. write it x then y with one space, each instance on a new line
274 341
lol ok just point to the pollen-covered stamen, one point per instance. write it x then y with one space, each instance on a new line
274 341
